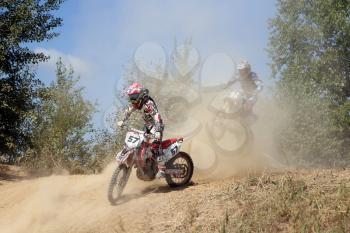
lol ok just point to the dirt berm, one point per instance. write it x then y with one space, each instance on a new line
271 201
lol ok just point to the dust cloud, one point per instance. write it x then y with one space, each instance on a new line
79 203
60 203
231 153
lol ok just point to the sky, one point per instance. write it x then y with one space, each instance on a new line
100 38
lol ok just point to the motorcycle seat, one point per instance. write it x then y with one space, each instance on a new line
166 143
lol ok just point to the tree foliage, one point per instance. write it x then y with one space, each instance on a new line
21 22
310 51
62 126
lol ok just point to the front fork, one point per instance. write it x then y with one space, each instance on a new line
132 157
127 176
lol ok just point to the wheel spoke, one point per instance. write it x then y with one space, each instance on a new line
117 184
180 163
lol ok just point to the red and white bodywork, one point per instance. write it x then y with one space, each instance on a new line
139 144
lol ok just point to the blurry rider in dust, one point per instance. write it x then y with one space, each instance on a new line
250 84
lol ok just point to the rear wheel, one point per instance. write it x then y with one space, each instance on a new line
118 181
183 162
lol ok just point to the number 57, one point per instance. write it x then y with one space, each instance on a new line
133 139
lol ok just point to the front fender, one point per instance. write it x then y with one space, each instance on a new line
124 157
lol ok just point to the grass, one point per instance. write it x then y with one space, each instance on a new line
289 203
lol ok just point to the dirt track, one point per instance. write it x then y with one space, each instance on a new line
79 204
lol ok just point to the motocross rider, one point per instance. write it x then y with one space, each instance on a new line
251 85
140 100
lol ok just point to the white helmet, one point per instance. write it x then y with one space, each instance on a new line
243 65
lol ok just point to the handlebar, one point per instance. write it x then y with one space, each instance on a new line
128 128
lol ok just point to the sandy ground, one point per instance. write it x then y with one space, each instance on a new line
64 204
79 204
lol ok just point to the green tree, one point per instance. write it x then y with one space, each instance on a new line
63 127
104 148
21 23
310 51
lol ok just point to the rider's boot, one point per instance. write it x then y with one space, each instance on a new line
161 170
160 163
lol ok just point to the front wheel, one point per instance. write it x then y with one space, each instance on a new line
183 162
118 181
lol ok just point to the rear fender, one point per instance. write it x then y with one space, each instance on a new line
173 149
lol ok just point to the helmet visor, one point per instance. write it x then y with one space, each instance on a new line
134 98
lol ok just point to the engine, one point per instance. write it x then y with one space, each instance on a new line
148 172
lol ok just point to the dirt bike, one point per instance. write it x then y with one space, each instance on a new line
137 153
231 118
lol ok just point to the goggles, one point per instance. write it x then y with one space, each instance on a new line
134 98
